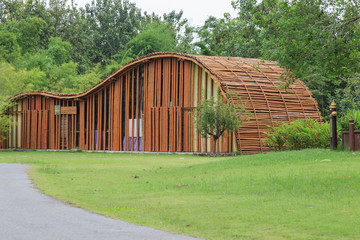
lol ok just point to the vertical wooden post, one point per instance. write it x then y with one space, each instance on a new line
351 134
333 133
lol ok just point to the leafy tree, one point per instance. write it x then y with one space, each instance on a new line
59 50
228 37
182 31
317 40
214 116
113 23
155 38
28 32
5 120
13 81
9 47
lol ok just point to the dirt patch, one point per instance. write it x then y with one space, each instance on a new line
210 154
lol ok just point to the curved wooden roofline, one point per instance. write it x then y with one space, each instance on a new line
193 58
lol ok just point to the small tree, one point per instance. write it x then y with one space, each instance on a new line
5 121
213 117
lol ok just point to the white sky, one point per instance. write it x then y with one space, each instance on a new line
196 11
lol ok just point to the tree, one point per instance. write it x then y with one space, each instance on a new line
155 38
228 37
5 121
316 39
214 116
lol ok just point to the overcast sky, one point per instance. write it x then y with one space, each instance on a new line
196 11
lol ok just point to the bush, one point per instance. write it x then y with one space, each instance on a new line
299 134
343 121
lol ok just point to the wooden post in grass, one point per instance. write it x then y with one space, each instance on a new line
351 134
333 130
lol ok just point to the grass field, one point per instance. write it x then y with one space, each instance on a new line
310 194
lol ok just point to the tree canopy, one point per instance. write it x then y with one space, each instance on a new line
57 46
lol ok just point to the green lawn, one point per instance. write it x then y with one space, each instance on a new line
311 194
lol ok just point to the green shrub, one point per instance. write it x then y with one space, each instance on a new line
343 122
299 134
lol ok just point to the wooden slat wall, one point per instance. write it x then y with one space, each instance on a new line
170 92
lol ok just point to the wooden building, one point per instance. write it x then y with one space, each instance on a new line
146 106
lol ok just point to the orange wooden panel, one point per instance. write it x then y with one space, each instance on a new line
187 83
28 133
138 100
34 130
132 81
93 117
82 125
181 84
39 129
100 119
116 135
179 129
127 113
151 86
51 144
105 118
158 82
111 116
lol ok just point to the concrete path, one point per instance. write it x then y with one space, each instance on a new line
27 214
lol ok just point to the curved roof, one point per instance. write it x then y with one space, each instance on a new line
224 70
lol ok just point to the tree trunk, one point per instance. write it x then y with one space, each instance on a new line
214 144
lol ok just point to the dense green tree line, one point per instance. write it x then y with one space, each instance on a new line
318 40
61 47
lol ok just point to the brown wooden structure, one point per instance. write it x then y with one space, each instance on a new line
146 106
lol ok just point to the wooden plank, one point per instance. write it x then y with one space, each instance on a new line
33 129
67 130
39 129
181 84
82 133
187 83
111 116
100 118
132 107
127 99
105 119
176 81
171 129
62 134
51 124
145 106
45 129
138 102
87 145
22 133
16 126
38 102
116 135
93 120
121 118
28 128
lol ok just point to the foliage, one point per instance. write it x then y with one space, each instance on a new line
56 46
155 37
278 195
12 81
343 121
299 134
214 116
228 37
5 120
317 40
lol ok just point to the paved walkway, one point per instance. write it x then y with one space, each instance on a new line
27 214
